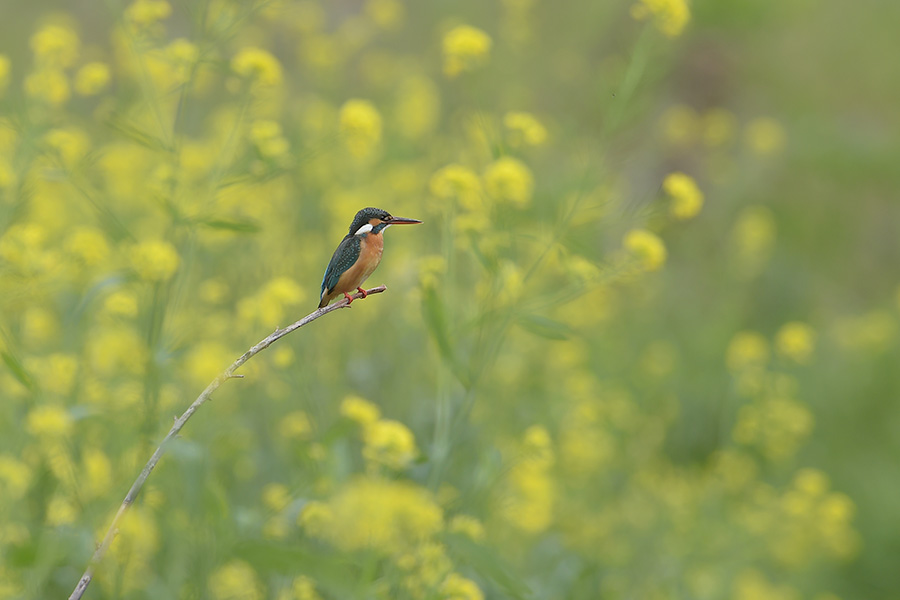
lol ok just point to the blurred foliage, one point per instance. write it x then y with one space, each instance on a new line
644 345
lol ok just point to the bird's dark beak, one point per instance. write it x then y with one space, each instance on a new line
403 221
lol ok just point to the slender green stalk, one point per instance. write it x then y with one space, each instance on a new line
224 376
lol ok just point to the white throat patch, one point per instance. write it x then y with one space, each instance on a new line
364 229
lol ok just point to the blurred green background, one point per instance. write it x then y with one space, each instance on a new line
644 345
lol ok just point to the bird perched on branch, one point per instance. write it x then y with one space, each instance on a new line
358 254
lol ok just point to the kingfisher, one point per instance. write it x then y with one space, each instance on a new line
358 254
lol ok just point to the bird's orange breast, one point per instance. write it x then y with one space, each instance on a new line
370 249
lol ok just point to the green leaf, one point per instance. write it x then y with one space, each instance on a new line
545 328
18 370
436 320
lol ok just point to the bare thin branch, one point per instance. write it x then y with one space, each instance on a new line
227 374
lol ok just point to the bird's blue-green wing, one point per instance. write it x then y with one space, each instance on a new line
345 256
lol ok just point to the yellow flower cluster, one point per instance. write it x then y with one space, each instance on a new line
509 180
687 199
669 16
258 66
465 48
647 249
389 517
524 129
360 125
154 260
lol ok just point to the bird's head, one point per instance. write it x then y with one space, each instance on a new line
376 220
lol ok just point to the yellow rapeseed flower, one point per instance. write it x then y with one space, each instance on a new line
15 477
647 248
509 180
5 68
147 12
387 14
235 580
418 106
468 526
295 425
680 125
276 496
88 244
524 129
154 260
389 443
457 587
304 588
382 515
92 78
669 16
457 182
48 85
266 136
360 126
465 48
61 511
55 46
360 410
70 143
48 421
258 66
121 303
796 341
764 136
687 199
206 360
745 350
97 472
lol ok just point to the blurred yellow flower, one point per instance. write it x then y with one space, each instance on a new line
55 46
154 260
60 511
457 587
5 69
360 126
764 136
121 303
680 125
687 199
48 85
647 248
524 129
386 516
457 182
465 48
360 410
295 425
206 360
266 136
15 477
509 180
148 12
276 496
669 16
389 443
796 341
258 66
304 588
92 78
71 144
468 526
88 244
718 126
49 421
235 580
745 350
387 14
97 473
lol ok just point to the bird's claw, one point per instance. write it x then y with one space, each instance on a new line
363 292
349 298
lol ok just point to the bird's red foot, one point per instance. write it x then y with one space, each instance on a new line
362 291
349 298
